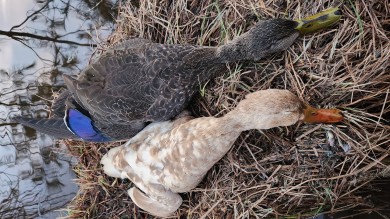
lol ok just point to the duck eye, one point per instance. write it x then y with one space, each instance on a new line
313 113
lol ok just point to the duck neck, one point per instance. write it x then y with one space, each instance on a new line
219 134
211 136
265 38
244 119
232 52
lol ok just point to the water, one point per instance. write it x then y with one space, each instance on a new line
36 173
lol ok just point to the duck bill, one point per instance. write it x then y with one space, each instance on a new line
313 115
318 21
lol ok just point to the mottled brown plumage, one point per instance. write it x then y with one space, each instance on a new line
140 81
137 81
167 158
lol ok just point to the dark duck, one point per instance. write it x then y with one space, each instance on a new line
138 82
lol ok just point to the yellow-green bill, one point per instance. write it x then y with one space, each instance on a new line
318 21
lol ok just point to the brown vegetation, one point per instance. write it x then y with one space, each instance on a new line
297 171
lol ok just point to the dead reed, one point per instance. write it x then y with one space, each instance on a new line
297 171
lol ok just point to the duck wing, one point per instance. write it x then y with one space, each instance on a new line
53 126
141 81
181 80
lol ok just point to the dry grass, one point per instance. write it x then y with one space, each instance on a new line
297 171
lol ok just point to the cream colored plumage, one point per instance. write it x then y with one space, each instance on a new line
172 157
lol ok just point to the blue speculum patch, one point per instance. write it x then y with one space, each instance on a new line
82 126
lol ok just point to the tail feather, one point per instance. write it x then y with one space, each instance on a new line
164 206
53 126
59 104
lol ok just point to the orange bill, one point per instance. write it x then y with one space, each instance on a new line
313 115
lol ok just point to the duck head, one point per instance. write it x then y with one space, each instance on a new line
318 21
272 108
314 115
274 35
